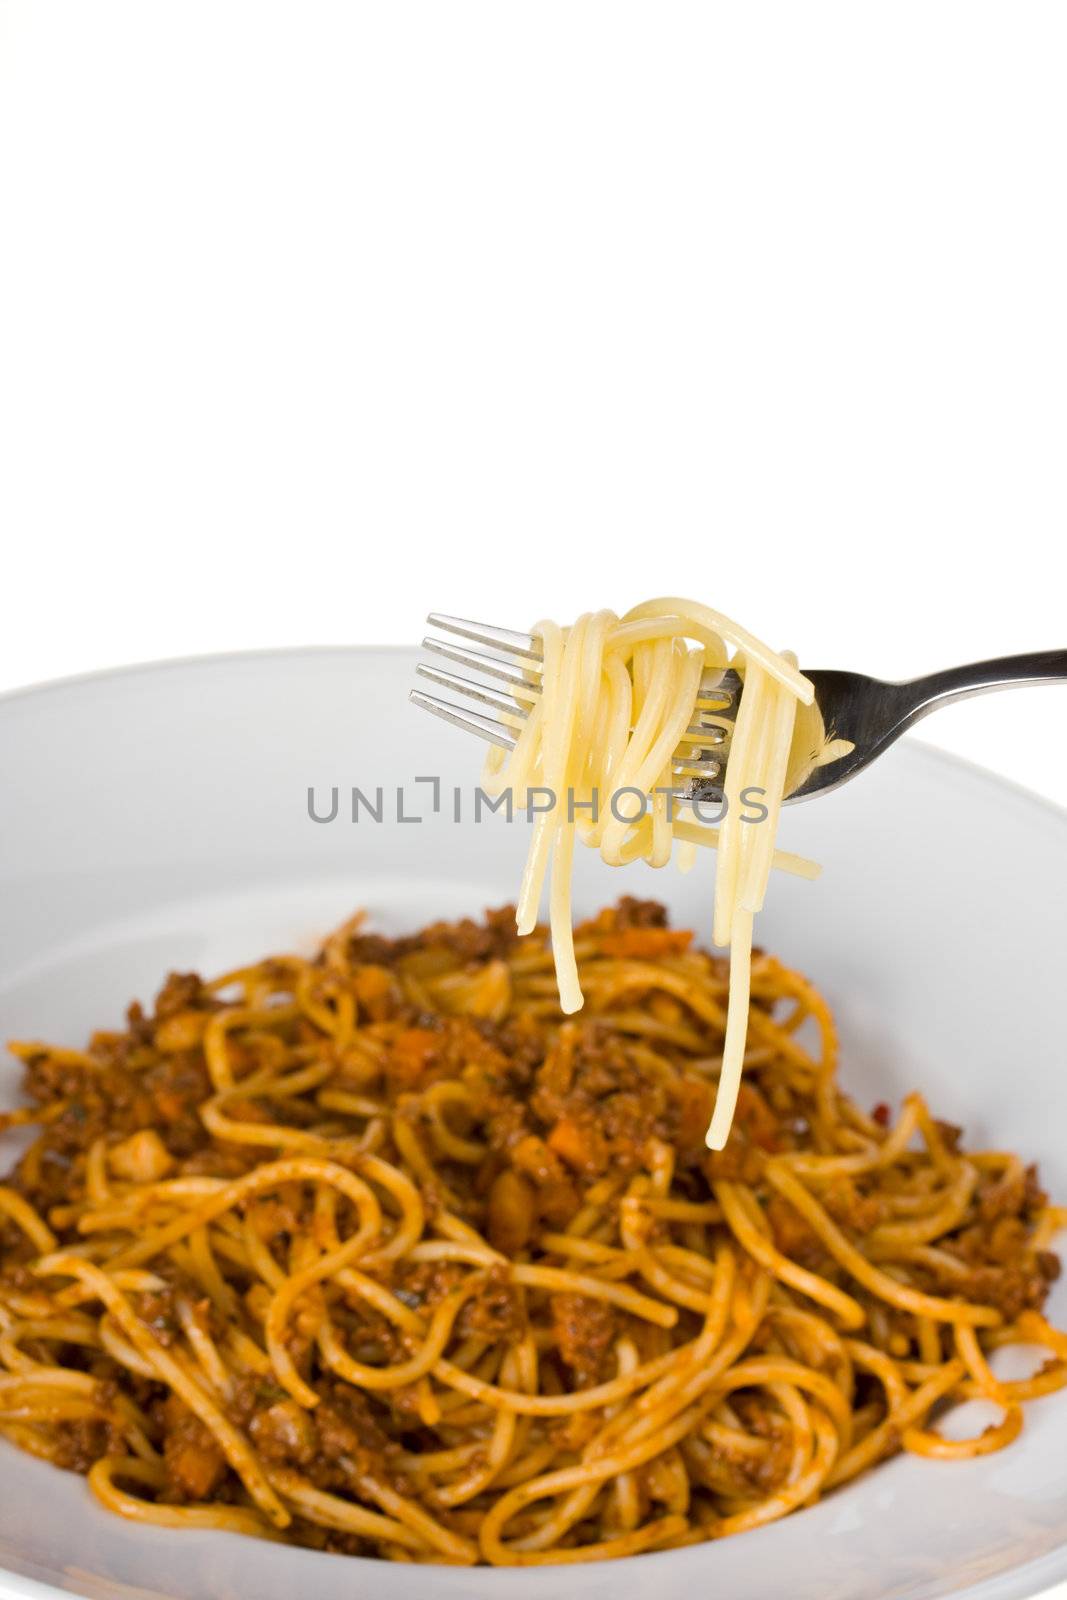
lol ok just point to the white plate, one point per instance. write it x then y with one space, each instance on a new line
157 818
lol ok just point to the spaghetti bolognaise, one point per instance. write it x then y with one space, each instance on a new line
381 1253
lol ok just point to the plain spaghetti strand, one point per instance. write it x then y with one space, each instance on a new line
617 700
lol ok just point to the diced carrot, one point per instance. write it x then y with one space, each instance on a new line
371 983
512 1212
374 988
578 1146
197 1467
413 1050
566 1140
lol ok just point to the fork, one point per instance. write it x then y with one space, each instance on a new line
870 713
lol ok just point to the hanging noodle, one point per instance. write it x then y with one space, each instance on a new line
382 1254
618 698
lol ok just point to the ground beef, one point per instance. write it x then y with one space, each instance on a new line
491 939
182 991
497 1311
585 1329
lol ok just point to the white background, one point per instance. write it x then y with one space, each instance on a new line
314 317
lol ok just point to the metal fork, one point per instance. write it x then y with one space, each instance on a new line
868 712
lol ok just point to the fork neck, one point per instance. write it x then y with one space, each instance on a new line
918 696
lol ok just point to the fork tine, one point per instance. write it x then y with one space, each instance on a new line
516 644
469 721
697 733
473 691
478 661
702 761
720 685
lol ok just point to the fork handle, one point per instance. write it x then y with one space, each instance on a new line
922 695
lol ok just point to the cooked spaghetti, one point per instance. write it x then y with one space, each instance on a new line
379 1253
618 699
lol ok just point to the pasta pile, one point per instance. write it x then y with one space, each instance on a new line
380 1253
